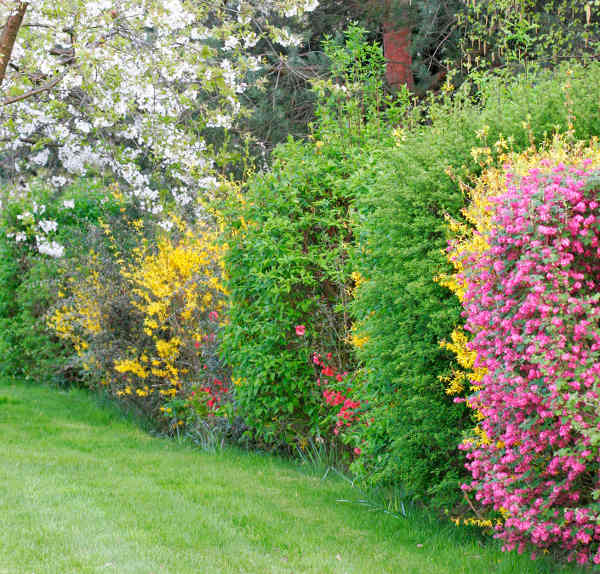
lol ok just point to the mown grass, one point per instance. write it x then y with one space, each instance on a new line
83 490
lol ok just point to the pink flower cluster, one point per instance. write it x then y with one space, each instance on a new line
533 308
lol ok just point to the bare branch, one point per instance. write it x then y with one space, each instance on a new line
9 36
45 88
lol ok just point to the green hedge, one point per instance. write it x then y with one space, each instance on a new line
401 240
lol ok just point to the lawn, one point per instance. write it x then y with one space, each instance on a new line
84 490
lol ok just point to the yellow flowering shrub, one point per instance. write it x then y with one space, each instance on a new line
79 316
144 321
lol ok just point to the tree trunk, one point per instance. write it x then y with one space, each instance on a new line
396 49
9 35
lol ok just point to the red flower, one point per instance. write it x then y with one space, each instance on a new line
213 315
357 451
196 344
328 371
300 330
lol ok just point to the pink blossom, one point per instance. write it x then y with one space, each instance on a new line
533 322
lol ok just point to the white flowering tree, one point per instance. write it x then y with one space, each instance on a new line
129 87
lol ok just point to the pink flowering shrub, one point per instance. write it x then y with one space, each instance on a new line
532 306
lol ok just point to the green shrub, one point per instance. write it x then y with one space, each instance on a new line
9 283
30 279
401 311
288 264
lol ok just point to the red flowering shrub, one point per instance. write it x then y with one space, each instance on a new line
216 394
338 393
532 305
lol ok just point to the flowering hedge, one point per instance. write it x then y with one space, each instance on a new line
400 311
532 304
470 234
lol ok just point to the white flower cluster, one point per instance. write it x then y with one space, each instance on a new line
41 229
51 248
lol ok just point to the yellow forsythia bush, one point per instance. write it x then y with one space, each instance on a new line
144 323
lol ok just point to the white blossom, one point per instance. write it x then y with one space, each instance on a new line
58 181
42 157
166 224
231 43
51 248
47 225
24 216
83 126
129 77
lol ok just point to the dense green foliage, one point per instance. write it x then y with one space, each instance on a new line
23 300
447 37
288 265
401 234
289 237
508 32
29 280
286 104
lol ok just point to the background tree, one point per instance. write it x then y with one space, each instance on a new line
131 90
515 32
426 30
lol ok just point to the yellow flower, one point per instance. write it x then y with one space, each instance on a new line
130 366
359 341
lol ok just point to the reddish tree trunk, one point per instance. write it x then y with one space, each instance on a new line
396 49
9 36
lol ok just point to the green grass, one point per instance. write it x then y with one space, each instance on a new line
83 490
